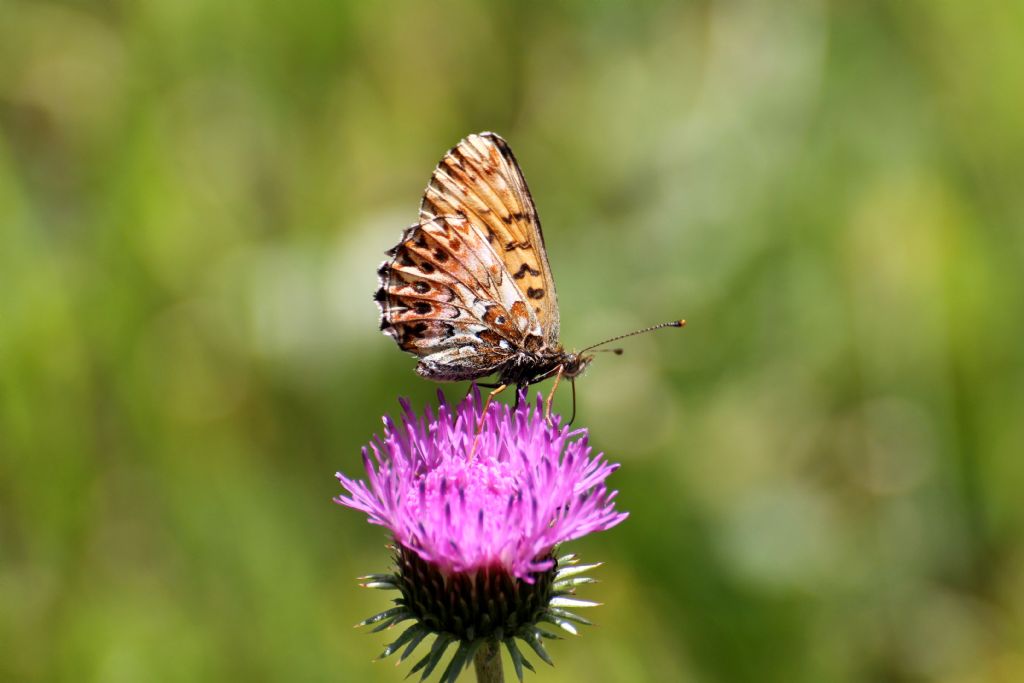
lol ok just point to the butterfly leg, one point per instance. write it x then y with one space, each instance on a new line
487 403
483 415
479 385
551 396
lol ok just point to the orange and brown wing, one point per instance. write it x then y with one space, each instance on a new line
445 297
479 181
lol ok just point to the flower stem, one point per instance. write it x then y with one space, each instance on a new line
488 663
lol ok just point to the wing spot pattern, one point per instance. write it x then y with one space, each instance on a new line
416 331
514 217
490 337
523 270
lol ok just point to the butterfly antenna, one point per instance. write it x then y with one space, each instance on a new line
652 328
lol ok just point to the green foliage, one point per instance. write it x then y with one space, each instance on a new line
823 469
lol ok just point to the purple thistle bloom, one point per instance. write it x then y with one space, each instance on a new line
528 487
476 518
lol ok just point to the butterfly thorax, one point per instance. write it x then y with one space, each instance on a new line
525 368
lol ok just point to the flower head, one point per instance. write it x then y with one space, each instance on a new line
476 511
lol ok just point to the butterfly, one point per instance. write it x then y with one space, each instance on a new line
468 289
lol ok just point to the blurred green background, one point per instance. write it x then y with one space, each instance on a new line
824 469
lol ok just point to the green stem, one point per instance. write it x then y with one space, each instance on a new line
488 663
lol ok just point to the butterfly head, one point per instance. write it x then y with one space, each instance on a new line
573 364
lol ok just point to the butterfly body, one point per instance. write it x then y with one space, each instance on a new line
525 369
468 289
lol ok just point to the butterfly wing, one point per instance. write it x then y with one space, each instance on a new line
479 180
446 297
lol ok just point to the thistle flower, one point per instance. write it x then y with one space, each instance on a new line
476 518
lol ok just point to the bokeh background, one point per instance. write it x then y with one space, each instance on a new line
824 469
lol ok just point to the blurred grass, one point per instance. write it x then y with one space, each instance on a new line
824 470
